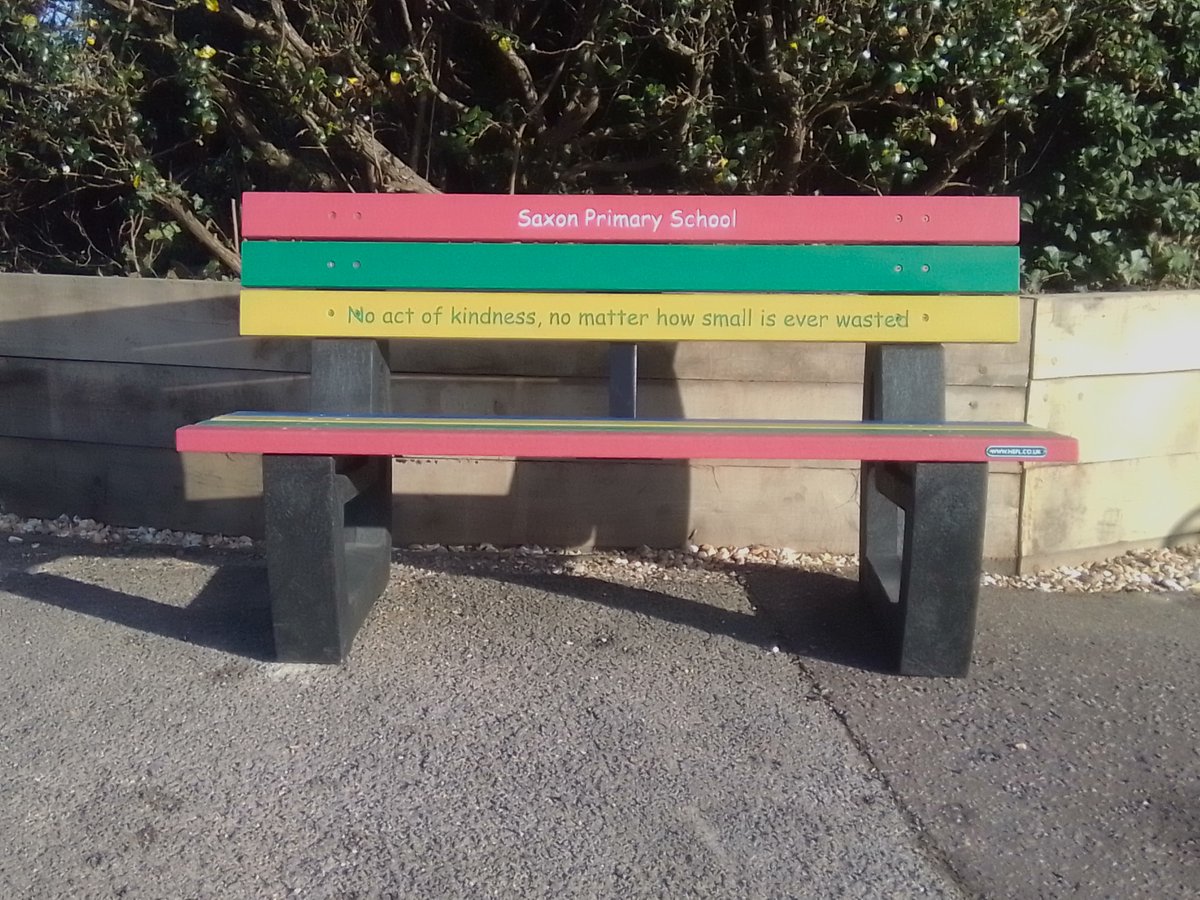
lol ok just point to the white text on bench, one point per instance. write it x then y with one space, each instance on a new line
687 220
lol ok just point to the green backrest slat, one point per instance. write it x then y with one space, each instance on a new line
630 267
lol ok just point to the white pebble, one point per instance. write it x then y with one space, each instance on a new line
1141 571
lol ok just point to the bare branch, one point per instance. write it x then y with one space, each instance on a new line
965 154
220 251
423 63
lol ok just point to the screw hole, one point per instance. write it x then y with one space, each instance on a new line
925 268
330 314
330 264
899 218
332 214
924 218
358 265
358 215
899 268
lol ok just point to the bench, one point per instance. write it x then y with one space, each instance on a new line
902 275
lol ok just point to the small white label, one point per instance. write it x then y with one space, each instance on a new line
1004 452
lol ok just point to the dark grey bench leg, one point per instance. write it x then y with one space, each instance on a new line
922 547
329 519
329 539
921 525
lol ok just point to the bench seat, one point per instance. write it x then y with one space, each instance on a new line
608 438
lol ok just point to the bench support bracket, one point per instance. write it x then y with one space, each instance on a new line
622 381
921 524
329 518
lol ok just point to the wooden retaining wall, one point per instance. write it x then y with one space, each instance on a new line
1122 373
95 375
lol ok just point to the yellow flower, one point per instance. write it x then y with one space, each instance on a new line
394 77
93 24
952 122
352 80
794 45
504 42
212 5
91 40
902 31
821 20
205 52
29 22
941 101
137 181
900 87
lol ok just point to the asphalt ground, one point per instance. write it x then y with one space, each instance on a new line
511 732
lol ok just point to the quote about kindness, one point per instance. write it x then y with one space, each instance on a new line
662 320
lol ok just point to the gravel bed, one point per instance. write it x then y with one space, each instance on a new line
1148 571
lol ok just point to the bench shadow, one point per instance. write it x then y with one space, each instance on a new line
231 613
1185 531
820 616
811 615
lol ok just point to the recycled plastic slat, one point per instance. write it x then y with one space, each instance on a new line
630 267
943 318
287 433
674 219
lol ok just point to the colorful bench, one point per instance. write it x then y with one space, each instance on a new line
902 275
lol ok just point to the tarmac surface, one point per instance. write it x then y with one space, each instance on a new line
510 733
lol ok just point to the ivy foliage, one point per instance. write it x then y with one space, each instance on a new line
127 128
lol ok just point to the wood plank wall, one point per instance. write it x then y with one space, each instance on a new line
1122 373
96 373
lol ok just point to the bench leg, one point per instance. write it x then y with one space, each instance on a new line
329 541
920 557
921 525
329 519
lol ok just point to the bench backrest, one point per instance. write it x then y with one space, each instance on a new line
628 269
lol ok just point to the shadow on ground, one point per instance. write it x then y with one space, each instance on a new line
231 612
812 615
819 616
